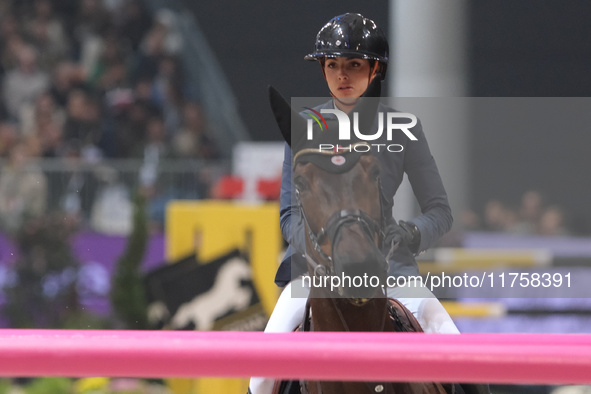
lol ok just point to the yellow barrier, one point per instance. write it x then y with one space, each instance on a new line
474 309
214 228
459 259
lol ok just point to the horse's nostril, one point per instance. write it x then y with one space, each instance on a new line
356 255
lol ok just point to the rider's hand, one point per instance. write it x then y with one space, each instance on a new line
403 232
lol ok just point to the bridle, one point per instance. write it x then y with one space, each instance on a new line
370 227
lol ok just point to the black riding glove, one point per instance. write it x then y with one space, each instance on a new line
403 232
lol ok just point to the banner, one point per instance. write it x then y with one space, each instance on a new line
217 295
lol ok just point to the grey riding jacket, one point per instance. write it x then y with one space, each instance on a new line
416 161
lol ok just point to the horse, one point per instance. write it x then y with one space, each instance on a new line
339 197
226 294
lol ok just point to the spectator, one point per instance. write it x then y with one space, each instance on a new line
10 41
92 18
113 7
131 128
134 23
61 60
164 33
24 83
50 137
531 218
111 55
155 146
78 189
168 93
192 141
91 24
153 186
144 90
470 220
160 41
495 216
169 74
511 221
114 78
23 189
552 222
8 139
152 152
148 57
66 77
46 32
530 212
172 109
44 110
5 7
83 124
67 11
11 48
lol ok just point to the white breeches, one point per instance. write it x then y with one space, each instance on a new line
289 313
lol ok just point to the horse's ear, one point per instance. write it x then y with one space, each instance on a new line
284 115
368 105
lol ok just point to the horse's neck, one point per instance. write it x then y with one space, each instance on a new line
337 314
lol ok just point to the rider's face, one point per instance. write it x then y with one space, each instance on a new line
347 78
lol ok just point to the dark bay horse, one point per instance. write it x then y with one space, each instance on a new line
339 198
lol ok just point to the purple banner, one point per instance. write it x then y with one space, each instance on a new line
98 255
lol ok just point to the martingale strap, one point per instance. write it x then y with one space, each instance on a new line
384 215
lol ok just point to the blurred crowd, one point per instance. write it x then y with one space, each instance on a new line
531 216
89 80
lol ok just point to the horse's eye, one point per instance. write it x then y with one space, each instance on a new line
300 183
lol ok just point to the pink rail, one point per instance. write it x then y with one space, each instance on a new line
492 358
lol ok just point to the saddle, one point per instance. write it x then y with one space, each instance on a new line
402 319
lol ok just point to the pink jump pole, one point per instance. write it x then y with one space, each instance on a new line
490 358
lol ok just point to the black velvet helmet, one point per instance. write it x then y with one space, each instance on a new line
351 35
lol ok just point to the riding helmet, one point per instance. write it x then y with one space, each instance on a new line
351 35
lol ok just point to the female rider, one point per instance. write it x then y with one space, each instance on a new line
352 51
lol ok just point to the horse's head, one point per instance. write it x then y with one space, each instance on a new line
339 196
